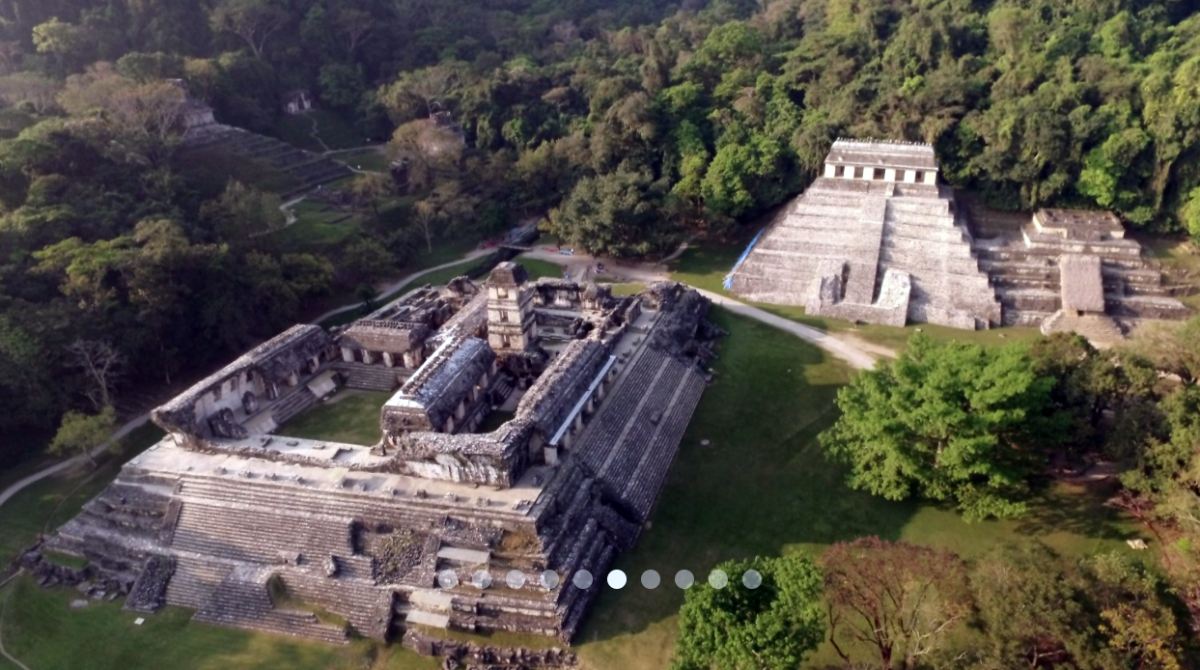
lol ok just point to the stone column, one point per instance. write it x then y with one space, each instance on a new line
551 454
388 360
830 170
910 176
889 174
368 357
347 355
931 178
868 174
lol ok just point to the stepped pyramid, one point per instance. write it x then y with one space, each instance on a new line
876 238
200 130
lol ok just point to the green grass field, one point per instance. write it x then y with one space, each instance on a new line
351 416
760 487
43 632
317 228
368 159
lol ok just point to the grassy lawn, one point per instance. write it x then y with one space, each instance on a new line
46 504
352 416
705 267
317 227
368 159
763 487
42 631
538 268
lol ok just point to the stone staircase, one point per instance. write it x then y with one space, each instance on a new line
310 170
632 443
194 581
371 377
248 534
292 405
241 603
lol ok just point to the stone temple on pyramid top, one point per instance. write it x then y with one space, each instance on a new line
879 238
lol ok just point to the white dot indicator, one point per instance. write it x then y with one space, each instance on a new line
752 579
718 579
582 579
482 579
684 579
616 579
550 579
447 579
515 579
650 579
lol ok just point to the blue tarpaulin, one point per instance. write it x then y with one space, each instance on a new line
729 277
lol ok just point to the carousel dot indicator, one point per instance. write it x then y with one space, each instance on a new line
684 579
550 579
582 579
447 579
718 579
650 579
515 579
482 579
617 579
752 579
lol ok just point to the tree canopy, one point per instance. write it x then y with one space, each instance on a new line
770 627
952 422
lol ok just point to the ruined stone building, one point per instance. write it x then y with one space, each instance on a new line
879 238
223 515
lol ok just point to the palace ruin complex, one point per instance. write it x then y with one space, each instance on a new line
879 238
223 515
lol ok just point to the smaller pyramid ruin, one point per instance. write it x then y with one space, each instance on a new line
877 238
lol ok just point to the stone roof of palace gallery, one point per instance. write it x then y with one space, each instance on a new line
384 335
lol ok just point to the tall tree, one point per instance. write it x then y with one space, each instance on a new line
252 20
901 600
80 433
769 627
953 422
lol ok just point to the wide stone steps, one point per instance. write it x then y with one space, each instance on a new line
370 377
293 404
339 503
248 534
646 426
194 581
366 607
242 604
642 489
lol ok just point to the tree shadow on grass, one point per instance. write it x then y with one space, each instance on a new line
1077 509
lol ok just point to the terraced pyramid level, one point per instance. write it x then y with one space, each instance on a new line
874 239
